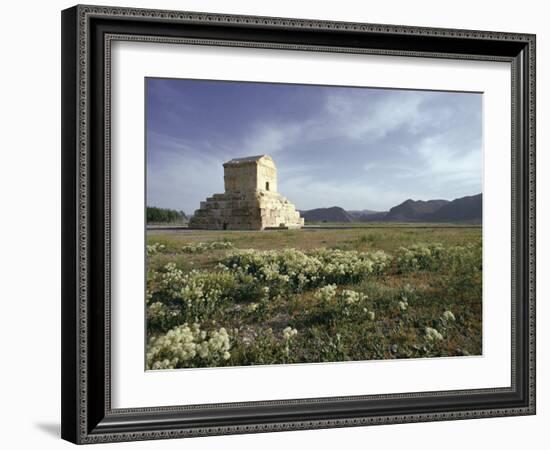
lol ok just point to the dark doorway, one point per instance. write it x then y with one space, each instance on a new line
225 226
267 185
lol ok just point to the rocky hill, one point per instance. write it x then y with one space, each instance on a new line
465 209
414 210
333 214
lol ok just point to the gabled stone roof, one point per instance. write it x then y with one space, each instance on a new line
246 159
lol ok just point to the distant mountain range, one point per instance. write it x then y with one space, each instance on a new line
333 214
465 209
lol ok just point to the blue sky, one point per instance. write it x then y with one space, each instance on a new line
358 148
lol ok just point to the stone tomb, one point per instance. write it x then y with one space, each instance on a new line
250 201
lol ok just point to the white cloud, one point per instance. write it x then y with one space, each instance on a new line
450 161
356 118
271 138
354 194
343 116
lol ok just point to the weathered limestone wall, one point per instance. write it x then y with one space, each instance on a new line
241 178
277 211
250 201
229 211
266 173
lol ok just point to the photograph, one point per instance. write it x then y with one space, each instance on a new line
294 223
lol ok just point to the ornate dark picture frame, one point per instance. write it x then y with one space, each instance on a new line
87 34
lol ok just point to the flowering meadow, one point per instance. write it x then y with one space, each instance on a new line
305 296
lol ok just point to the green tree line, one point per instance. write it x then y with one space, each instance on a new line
164 215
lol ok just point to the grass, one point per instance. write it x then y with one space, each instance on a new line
390 225
390 320
387 239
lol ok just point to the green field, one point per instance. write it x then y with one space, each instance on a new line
231 298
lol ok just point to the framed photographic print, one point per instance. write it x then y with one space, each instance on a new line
278 224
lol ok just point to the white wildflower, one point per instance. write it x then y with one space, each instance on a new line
449 316
180 346
289 333
432 335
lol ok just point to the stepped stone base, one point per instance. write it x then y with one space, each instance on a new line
246 211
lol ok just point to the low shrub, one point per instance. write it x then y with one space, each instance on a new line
188 346
296 271
197 295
